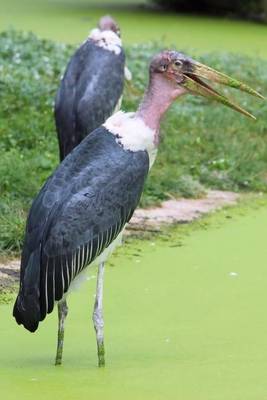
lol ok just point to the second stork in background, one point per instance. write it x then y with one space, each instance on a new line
92 86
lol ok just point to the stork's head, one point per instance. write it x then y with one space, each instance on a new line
107 23
182 74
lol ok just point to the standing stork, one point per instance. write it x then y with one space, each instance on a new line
91 89
81 211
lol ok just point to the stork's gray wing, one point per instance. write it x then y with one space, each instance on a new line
88 94
78 213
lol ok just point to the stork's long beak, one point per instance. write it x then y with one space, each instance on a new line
194 83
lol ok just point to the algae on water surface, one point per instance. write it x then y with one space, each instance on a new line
185 322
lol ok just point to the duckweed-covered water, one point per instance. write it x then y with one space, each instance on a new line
186 318
69 21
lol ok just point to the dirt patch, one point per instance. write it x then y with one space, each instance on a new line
181 210
151 219
9 273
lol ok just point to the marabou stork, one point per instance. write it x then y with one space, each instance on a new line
81 211
91 89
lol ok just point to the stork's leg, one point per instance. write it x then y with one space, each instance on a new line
98 316
62 313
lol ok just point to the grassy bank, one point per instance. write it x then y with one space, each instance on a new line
203 145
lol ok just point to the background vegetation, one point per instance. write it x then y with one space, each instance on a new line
247 8
203 145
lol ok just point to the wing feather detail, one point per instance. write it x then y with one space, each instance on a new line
72 266
62 277
79 259
82 256
67 273
90 252
46 290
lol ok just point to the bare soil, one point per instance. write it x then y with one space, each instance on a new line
180 211
9 273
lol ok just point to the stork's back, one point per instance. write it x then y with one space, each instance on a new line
88 94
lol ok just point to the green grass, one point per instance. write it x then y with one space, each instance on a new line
179 323
203 145
69 21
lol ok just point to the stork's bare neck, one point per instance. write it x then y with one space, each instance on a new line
107 23
140 130
107 35
159 95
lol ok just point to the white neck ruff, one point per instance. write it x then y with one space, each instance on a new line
106 39
132 133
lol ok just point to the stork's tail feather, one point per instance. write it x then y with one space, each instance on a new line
28 318
27 306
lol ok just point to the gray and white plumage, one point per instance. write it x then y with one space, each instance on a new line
90 90
79 211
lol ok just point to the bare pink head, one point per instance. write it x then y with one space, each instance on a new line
166 69
162 90
107 23
172 74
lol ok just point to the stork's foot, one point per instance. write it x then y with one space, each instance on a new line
62 314
58 360
101 354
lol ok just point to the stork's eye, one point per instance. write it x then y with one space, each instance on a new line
163 68
178 63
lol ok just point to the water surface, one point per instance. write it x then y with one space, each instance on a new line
185 318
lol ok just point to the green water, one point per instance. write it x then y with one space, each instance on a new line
69 21
185 319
